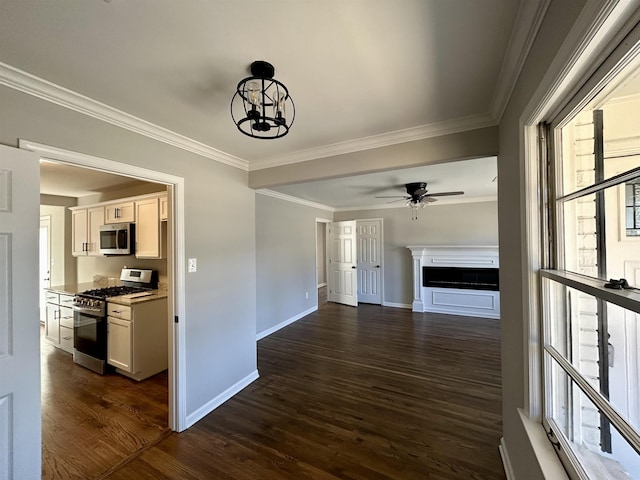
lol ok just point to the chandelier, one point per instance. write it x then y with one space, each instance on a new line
262 106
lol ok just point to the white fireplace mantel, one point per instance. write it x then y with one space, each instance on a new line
475 303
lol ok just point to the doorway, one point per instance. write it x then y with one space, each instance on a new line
321 259
175 249
355 268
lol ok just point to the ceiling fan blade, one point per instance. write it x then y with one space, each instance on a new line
395 201
393 196
420 191
443 194
428 199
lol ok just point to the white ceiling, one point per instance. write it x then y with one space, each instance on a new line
477 182
356 69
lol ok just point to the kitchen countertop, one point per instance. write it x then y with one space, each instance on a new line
123 300
72 289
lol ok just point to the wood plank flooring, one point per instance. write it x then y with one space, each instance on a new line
345 393
92 423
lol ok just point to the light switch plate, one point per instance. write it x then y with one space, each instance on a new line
193 265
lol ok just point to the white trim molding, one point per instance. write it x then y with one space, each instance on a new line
506 461
406 306
214 403
523 34
295 318
41 88
292 199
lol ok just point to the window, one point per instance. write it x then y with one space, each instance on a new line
632 208
591 352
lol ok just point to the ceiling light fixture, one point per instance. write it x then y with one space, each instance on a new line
262 106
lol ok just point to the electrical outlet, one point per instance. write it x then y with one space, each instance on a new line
193 265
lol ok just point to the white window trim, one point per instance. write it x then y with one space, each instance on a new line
600 27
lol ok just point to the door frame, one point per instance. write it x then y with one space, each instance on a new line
46 220
175 267
326 222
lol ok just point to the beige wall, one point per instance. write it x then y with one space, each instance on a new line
558 20
219 222
286 260
478 143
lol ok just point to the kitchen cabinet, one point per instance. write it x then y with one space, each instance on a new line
119 213
120 344
58 325
150 231
137 337
164 208
85 230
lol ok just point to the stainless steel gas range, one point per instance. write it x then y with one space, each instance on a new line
90 316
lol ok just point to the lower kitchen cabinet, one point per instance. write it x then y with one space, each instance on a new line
58 325
120 343
137 338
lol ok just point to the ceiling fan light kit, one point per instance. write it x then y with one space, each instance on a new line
418 196
262 106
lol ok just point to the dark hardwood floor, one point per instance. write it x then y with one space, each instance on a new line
345 393
92 423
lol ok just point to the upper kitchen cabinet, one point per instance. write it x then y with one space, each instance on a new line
85 228
164 207
150 230
119 213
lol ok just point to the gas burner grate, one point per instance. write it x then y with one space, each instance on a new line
112 291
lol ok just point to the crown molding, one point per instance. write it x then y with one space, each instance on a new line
38 87
289 198
447 127
524 32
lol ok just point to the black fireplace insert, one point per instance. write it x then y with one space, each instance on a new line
461 277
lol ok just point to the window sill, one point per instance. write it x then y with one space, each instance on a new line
547 458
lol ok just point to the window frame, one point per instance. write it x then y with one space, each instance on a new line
552 259
557 105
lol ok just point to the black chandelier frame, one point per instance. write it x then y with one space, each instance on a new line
257 122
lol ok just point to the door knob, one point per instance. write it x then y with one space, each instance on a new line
377 266
353 266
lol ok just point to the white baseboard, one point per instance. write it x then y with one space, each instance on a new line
396 305
277 327
506 462
214 403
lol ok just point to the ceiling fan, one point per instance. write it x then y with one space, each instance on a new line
417 195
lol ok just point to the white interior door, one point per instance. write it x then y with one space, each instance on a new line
369 261
45 262
343 278
20 431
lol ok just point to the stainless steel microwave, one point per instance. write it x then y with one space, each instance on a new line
117 239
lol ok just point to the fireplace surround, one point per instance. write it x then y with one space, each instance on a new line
456 279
